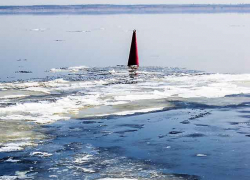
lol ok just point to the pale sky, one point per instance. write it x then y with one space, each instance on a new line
65 2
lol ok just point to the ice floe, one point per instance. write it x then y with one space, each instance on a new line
38 29
12 160
201 155
8 177
117 93
69 69
13 96
14 146
83 159
41 154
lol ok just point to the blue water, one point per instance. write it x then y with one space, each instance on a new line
152 146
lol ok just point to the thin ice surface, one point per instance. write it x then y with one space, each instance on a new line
97 92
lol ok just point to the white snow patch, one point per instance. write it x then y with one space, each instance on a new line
17 146
8 177
22 174
84 159
201 155
13 96
41 154
53 176
123 113
38 29
86 170
69 69
12 160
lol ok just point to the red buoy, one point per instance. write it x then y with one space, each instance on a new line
133 60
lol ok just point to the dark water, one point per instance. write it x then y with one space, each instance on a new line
153 146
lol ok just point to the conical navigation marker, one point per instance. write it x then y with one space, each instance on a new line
133 61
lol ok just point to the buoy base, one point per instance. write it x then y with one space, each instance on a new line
133 67
133 70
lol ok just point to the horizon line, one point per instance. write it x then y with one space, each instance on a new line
125 9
